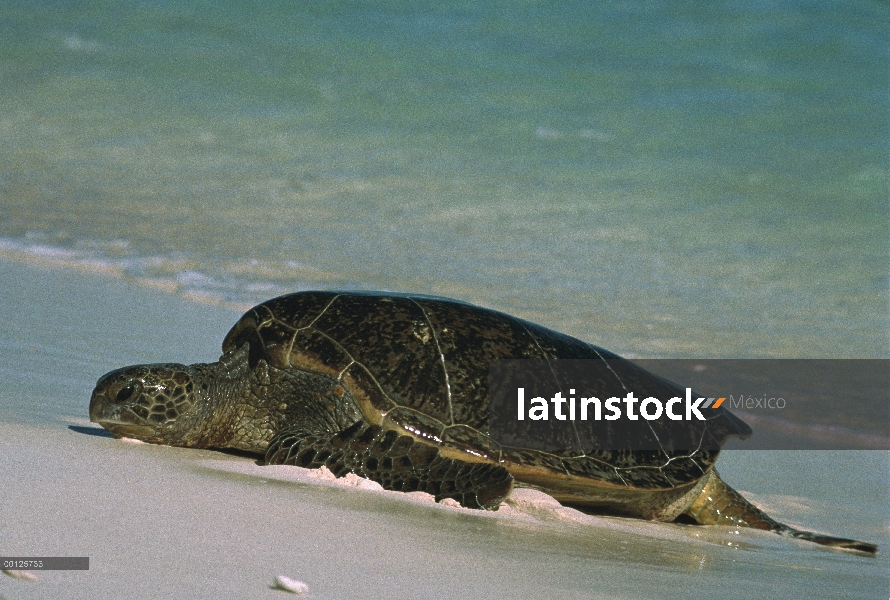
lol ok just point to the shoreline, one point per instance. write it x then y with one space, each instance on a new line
43 256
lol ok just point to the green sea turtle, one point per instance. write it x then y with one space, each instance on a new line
394 388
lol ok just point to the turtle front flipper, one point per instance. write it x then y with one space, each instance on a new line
397 462
719 504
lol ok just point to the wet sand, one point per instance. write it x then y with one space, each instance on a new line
160 522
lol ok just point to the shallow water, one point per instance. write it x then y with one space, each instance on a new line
662 181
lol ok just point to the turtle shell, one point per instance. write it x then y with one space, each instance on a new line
420 364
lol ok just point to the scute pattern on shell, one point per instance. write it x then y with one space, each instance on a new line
422 362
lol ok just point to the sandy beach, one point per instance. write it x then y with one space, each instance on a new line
160 522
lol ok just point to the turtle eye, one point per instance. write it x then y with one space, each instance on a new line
125 393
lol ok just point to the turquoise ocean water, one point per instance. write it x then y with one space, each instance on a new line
662 179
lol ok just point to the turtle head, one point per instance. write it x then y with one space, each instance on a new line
147 402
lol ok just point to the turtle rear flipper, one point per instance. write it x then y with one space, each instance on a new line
397 462
719 504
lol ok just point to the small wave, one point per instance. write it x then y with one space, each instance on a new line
75 43
548 133
41 254
195 278
231 284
